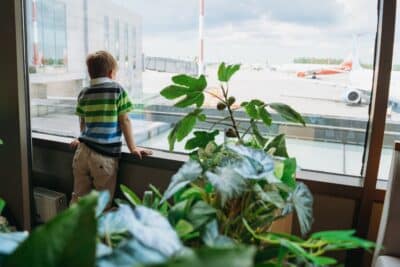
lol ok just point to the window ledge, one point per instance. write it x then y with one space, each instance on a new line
172 161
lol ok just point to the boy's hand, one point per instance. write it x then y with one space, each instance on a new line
140 152
74 144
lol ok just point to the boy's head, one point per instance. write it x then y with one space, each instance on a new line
101 64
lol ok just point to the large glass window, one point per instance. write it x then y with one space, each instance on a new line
47 22
315 56
392 129
107 33
117 40
133 46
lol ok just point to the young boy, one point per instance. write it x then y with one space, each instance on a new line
103 109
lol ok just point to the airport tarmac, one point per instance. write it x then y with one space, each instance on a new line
323 96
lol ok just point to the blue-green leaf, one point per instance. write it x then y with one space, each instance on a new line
104 199
9 242
190 171
200 213
302 202
255 164
212 238
227 182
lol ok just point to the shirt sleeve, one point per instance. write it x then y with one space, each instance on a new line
79 107
124 103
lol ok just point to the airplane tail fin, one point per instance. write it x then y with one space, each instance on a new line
355 55
347 64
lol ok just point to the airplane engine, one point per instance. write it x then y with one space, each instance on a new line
353 97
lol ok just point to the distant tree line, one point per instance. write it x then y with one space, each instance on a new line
315 60
334 61
395 67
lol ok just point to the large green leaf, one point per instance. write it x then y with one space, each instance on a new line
2 205
67 240
342 239
201 139
130 195
261 140
190 88
183 228
256 109
278 144
184 127
225 72
240 256
288 113
289 172
297 250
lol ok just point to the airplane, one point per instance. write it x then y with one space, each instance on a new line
357 91
357 85
344 67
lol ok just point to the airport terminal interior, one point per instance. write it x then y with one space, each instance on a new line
199 133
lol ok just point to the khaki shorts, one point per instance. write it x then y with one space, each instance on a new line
93 171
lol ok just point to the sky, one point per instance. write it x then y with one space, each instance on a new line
259 31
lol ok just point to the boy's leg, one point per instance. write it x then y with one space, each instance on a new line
104 171
81 171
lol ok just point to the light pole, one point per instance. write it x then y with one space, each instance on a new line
36 56
201 38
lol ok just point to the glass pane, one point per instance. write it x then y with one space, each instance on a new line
392 129
317 60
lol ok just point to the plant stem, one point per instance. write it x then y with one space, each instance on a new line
234 124
216 96
246 132
216 122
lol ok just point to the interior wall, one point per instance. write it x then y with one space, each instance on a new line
52 169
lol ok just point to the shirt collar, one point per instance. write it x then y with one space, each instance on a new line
100 80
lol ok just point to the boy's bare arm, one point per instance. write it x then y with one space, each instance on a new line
126 127
81 124
76 142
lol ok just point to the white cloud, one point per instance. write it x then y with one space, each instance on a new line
261 30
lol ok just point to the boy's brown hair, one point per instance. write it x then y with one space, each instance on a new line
100 64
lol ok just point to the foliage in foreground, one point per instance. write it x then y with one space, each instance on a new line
140 236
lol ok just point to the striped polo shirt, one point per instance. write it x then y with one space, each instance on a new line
99 105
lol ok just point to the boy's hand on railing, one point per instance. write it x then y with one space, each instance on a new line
140 152
74 144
